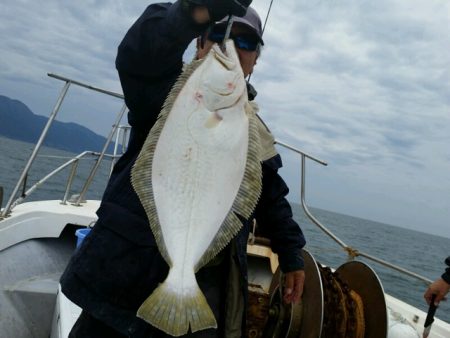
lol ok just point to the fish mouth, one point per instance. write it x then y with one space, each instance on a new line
225 82
228 61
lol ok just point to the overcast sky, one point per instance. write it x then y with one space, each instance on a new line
363 85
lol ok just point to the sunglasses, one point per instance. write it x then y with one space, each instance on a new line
242 41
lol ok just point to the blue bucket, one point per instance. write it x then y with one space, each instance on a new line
81 234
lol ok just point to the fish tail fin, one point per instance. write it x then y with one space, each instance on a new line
173 310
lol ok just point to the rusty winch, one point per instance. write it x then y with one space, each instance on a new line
346 303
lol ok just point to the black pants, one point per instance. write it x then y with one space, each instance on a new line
212 281
89 327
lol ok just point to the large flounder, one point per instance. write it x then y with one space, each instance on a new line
198 168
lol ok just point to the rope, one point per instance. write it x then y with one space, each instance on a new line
353 253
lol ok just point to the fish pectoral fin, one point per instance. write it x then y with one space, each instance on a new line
213 120
174 310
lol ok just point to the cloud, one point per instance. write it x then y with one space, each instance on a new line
367 90
361 84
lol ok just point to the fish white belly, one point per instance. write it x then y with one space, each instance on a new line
196 175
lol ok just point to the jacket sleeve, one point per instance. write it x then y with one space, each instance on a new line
274 218
154 45
150 58
446 274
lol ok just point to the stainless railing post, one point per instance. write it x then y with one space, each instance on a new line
69 181
124 139
24 186
116 146
36 149
45 178
100 158
351 252
305 207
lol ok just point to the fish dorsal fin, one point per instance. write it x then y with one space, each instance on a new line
141 173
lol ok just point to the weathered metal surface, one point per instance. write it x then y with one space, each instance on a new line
364 281
298 320
258 311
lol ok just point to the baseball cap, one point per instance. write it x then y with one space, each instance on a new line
251 19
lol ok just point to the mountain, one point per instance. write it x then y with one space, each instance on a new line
18 122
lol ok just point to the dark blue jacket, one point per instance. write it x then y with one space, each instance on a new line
446 274
119 265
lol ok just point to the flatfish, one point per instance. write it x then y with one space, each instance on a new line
199 167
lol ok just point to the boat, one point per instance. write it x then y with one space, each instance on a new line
37 238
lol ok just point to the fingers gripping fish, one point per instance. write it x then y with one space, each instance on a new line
198 168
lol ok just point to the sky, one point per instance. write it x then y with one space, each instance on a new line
363 85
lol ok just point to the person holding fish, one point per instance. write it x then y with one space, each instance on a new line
167 256
440 287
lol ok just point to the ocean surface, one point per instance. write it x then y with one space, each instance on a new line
416 251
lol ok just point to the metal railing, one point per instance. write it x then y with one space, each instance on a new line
12 202
352 252
121 132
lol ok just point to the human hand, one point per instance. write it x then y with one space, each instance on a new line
440 288
218 9
200 14
293 286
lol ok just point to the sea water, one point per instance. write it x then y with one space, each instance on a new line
416 251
